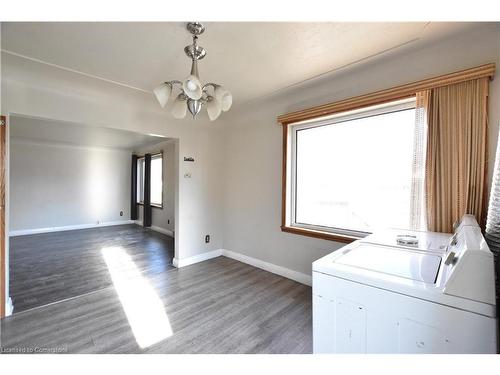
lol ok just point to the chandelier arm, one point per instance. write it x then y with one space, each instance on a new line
207 85
205 99
173 82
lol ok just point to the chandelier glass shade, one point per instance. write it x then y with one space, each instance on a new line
213 109
162 93
193 94
179 108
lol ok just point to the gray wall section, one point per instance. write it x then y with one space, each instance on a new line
253 141
162 216
54 185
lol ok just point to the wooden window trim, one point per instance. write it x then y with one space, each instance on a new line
358 102
319 234
383 96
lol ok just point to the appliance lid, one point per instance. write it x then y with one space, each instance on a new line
399 262
427 241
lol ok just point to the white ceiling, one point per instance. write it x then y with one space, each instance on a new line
250 59
42 130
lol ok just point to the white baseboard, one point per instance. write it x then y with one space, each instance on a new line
9 307
24 232
273 268
162 230
156 228
196 259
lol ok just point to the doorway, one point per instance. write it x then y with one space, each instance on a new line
70 208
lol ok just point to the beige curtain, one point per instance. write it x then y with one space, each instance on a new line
456 158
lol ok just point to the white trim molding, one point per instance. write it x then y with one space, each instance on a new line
75 71
37 142
270 267
266 266
156 228
24 232
162 230
9 307
196 258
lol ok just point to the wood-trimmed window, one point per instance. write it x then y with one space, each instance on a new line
326 115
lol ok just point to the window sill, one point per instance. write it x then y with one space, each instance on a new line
152 205
319 234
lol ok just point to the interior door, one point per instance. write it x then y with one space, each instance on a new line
3 128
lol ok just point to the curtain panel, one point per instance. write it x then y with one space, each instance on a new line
133 189
417 208
457 153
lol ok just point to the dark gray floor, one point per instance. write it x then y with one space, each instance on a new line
50 267
126 294
216 306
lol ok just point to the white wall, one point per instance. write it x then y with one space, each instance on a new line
253 143
57 185
34 89
163 217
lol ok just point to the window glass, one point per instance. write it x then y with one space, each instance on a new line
140 180
355 174
156 180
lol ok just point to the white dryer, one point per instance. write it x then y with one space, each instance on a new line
375 298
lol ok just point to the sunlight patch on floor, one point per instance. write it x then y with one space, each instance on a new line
144 309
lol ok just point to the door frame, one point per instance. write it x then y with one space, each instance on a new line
3 281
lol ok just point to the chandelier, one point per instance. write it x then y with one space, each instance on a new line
193 94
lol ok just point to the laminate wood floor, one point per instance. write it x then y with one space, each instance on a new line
50 267
216 306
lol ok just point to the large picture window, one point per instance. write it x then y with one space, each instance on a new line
351 173
389 158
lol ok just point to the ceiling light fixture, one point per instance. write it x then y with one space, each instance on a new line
193 95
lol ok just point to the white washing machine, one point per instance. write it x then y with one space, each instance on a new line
435 242
375 298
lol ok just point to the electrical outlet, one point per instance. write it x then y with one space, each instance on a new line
207 238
